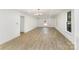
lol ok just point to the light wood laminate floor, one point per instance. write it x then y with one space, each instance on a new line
39 39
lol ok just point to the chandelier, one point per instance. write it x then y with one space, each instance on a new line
38 13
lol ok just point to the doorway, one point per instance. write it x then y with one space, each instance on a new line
21 24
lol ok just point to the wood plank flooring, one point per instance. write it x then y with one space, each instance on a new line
39 39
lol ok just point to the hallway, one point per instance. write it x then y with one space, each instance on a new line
39 39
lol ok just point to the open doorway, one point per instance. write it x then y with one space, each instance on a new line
21 24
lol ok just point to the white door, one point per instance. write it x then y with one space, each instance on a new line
21 23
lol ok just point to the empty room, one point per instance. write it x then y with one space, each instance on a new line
39 29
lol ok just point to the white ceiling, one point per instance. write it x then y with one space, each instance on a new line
45 12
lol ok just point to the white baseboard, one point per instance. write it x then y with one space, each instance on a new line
8 39
70 37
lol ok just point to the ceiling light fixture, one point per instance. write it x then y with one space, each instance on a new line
38 13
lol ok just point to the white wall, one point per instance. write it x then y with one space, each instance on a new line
9 25
76 24
50 22
30 22
61 20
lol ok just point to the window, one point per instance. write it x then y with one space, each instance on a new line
69 21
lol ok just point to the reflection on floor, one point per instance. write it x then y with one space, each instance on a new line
39 39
